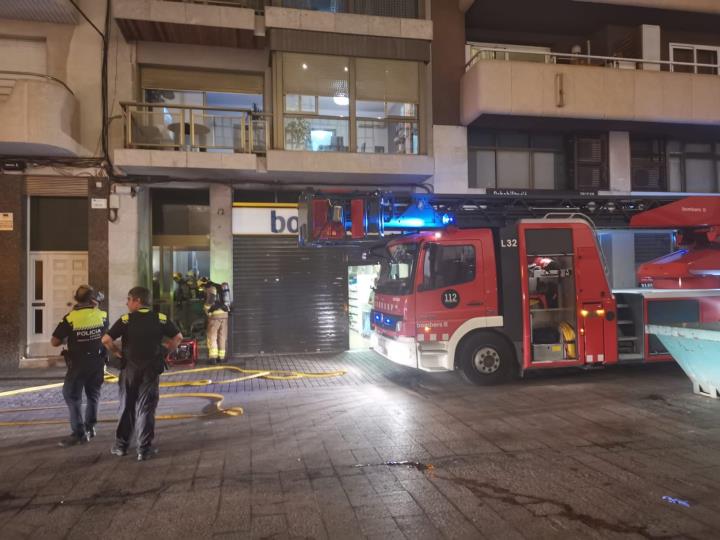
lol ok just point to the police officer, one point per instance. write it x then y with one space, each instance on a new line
216 308
83 328
143 332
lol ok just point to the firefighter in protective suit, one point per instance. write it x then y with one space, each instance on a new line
147 337
82 328
217 308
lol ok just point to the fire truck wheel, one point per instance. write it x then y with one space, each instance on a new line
486 358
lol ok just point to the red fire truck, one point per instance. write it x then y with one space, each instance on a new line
495 289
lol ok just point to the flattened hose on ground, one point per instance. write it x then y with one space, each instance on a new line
216 400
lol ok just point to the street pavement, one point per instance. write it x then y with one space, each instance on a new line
620 453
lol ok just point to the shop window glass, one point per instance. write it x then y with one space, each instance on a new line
544 170
674 174
700 175
513 169
445 266
482 168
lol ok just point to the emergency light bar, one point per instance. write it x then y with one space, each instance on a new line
354 219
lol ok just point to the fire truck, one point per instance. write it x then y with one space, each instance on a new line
495 287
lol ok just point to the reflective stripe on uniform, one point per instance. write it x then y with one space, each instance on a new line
84 319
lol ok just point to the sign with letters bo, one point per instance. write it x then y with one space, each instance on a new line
264 219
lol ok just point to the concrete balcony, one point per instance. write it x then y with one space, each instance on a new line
200 143
348 23
618 90
39 117
223 23
52 11
695 6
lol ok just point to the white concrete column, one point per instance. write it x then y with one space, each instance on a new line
221 238
450 150
619 157
123 240
651 45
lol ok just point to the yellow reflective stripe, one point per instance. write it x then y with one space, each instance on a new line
125 318
162 318
82 319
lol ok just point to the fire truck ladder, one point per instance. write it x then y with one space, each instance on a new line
353 219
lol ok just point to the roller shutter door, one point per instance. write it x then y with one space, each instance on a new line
287 299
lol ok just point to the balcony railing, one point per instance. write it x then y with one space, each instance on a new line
192 128
382 8
615 62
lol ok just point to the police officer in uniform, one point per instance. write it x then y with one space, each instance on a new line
143 333
216 308
82 328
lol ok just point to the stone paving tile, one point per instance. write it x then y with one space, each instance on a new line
571 455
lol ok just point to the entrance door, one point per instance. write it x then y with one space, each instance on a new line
53 277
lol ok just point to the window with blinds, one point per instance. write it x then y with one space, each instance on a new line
323 113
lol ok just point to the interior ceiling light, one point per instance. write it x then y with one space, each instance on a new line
304 66
343 101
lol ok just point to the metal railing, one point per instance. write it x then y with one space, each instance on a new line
257 5
383 8
616 62
195 128
27 74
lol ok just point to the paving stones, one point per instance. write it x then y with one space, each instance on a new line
578 455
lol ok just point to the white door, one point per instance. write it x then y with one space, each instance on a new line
53 277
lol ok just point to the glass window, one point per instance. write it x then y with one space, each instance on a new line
513 169
448 265
397 271
313 75
544 170
387 105
674 174
700 175
482 168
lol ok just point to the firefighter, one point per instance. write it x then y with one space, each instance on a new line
217 307
82 328
143 333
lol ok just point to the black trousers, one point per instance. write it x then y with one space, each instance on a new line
87 376
139 395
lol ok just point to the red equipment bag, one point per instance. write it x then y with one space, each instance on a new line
186 354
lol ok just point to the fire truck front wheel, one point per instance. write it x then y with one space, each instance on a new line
486 358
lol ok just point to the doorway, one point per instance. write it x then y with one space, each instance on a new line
361 283
53 278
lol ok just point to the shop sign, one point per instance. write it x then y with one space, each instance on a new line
264 220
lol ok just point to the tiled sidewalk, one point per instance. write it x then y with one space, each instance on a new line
573 455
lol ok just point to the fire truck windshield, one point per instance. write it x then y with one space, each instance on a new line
397 271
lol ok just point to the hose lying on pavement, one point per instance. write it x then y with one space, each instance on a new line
215 410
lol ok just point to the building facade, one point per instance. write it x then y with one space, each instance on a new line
155 141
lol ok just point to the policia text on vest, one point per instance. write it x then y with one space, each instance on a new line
143 333
82 329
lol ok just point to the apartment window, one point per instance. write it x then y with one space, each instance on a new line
648 167
323 113
693 167
210 111
702 58
516 160
387 106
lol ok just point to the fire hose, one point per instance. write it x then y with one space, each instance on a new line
215 399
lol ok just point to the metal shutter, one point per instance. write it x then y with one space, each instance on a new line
287 299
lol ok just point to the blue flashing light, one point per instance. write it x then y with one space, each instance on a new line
448 219
388 322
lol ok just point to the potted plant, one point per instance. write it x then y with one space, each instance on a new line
297 134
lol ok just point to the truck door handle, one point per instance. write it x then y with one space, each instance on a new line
477 303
